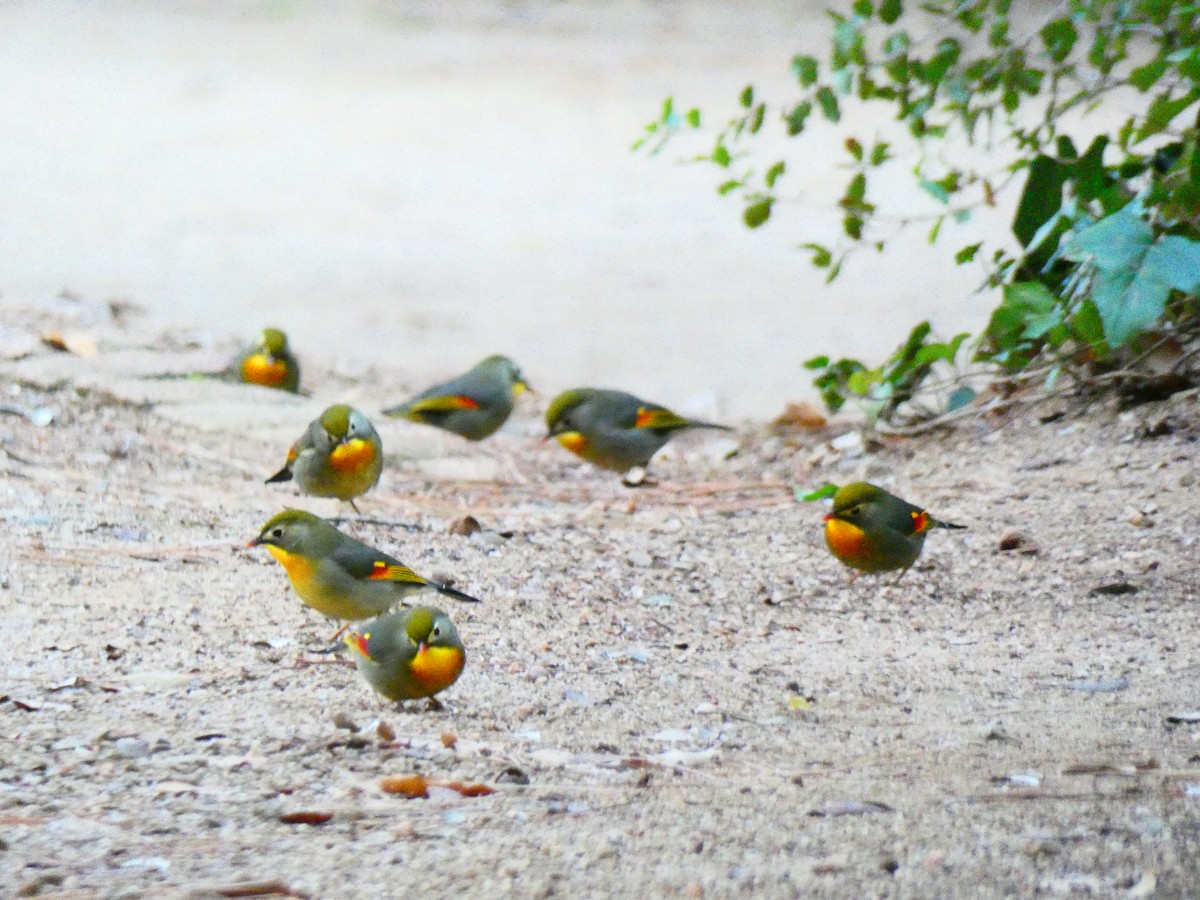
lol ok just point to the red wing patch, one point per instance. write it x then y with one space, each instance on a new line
381 571
657 418
444 404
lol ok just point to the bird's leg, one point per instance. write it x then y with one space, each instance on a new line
335 643
898 577
641 479
354 506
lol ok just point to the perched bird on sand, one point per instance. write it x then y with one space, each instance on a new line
612 429
337 575
873 531
408 654
269 363
339 455
473 405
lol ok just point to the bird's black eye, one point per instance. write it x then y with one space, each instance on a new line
277 533
437 631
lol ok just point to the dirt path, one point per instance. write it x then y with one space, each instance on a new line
673 691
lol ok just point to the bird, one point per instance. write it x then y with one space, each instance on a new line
339 455
269 363
871 530
408 654
612 429
474 405
337 575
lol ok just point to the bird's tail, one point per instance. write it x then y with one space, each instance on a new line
453 593
938 523
284 474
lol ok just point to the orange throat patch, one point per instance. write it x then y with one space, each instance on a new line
299 570
573 441
437 667
352 456
847 542
261 369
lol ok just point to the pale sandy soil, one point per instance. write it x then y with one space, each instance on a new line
674 691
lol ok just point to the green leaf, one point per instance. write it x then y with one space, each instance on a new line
890 11
1087 327
795 119
729 186
821 493
756 118
1144 77
897 45
1162 110
935 190
817 362
774 173
1059 37
967 254
860 382
863 8
1116 242
1090 176
1129 302
854 148
1135 273
1041 198
1178 258
1021 302
880 154
829 104
853 226
855 190
757 213
747 97
821 258
959 398
842 80
693 117
805 69
720 156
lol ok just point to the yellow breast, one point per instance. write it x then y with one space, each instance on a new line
352 457
260 369
316 592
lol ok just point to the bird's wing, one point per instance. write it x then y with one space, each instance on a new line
443 403
364 562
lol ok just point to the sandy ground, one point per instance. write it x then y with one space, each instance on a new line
433 182
673 691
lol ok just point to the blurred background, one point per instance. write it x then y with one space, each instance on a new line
412 186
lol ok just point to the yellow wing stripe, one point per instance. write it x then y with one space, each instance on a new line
381 571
